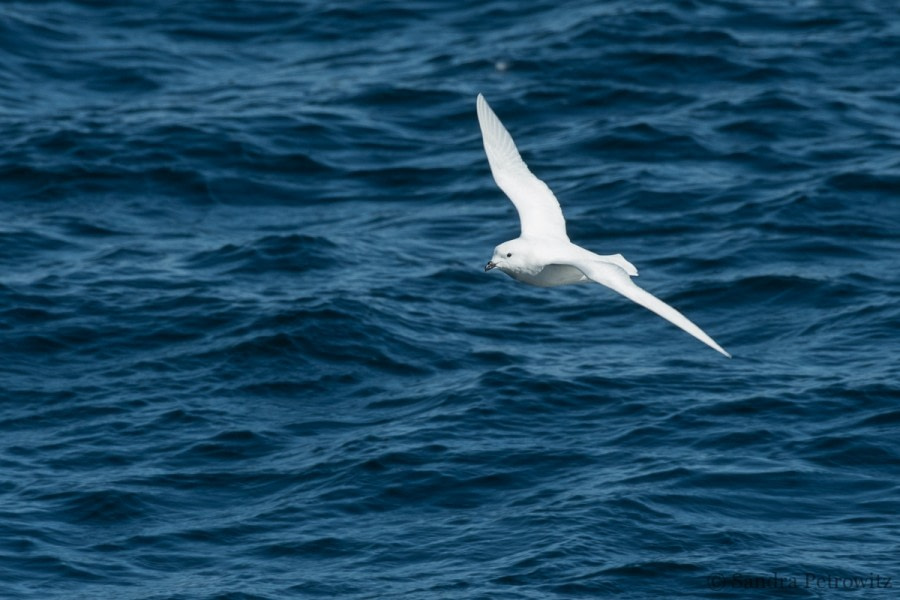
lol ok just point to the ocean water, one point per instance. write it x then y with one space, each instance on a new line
248 349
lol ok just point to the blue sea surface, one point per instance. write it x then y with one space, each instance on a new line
248 349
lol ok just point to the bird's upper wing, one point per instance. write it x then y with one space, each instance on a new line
539 211
616 278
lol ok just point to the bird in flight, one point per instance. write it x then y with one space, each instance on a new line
543 255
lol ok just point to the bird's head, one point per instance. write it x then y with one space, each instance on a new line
509 256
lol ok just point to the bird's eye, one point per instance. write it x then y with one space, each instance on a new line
508 254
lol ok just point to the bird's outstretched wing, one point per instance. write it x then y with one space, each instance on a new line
617 279
539 211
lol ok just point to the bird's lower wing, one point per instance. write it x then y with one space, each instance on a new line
617 279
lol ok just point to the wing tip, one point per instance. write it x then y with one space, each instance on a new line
713 344
498 143
482 108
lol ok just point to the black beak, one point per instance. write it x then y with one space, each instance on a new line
489 266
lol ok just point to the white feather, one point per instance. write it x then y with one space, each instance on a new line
616 279
539 212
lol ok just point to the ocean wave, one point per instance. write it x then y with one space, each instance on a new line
248 342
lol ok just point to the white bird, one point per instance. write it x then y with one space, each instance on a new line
543 255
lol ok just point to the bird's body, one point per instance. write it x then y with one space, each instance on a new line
543 255
549 263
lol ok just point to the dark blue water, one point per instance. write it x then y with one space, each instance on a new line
248 350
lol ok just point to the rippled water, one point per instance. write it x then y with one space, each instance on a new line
248 349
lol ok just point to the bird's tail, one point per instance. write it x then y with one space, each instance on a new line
619 261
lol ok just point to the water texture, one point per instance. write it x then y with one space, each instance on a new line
248 350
